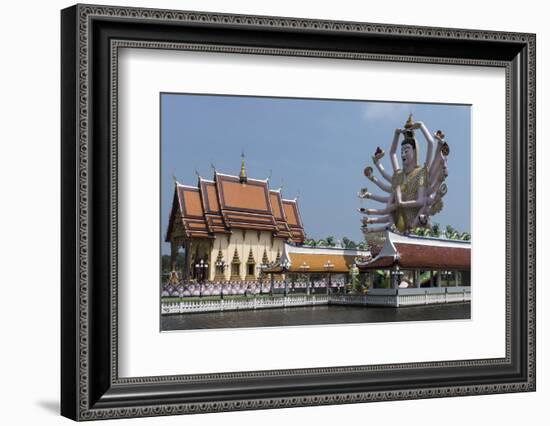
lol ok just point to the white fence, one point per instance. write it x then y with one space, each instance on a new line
185 307
375 297
406 297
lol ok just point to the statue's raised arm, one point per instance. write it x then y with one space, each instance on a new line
393 150
378 155
429 139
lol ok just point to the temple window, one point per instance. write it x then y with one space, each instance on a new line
250 269
235 269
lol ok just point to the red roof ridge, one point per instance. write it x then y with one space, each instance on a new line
206 180
185 186
248 178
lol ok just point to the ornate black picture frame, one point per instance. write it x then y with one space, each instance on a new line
91 387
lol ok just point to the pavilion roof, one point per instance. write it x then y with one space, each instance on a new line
412 252
315 259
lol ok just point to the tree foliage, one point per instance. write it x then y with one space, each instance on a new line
435 231
376 240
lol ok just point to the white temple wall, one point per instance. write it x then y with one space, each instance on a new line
243 242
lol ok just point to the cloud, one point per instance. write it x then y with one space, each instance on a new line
385 110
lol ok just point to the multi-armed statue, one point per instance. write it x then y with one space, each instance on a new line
413 192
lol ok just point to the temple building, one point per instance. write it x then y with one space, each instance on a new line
230 227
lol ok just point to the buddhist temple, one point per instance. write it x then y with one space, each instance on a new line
231 226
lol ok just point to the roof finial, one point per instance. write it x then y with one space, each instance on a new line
242 175
174 178
409 122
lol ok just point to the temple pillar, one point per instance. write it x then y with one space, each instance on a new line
185 260
431 278
173 255
456 278
438 279
211 262
417 278
394 279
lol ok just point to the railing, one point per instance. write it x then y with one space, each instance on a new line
405 297
375 297
185 307
418 296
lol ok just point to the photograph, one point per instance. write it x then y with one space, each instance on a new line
300 212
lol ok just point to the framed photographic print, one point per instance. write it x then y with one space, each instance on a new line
264 212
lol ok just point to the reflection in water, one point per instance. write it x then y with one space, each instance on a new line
313 315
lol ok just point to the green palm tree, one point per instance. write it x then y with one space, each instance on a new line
347 243
330 240
450 232
436 231
465 236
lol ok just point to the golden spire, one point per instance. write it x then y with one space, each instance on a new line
220 255
250 257
235 257
242 175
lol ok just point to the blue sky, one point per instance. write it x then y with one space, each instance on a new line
314 149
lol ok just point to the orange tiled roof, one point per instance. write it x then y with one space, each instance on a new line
222 204
294 221
315 259
187 201
279 214
212 213
316 262
245 205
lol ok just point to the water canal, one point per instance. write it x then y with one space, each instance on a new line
313 315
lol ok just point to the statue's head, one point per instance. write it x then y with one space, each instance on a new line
409 151
409 146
